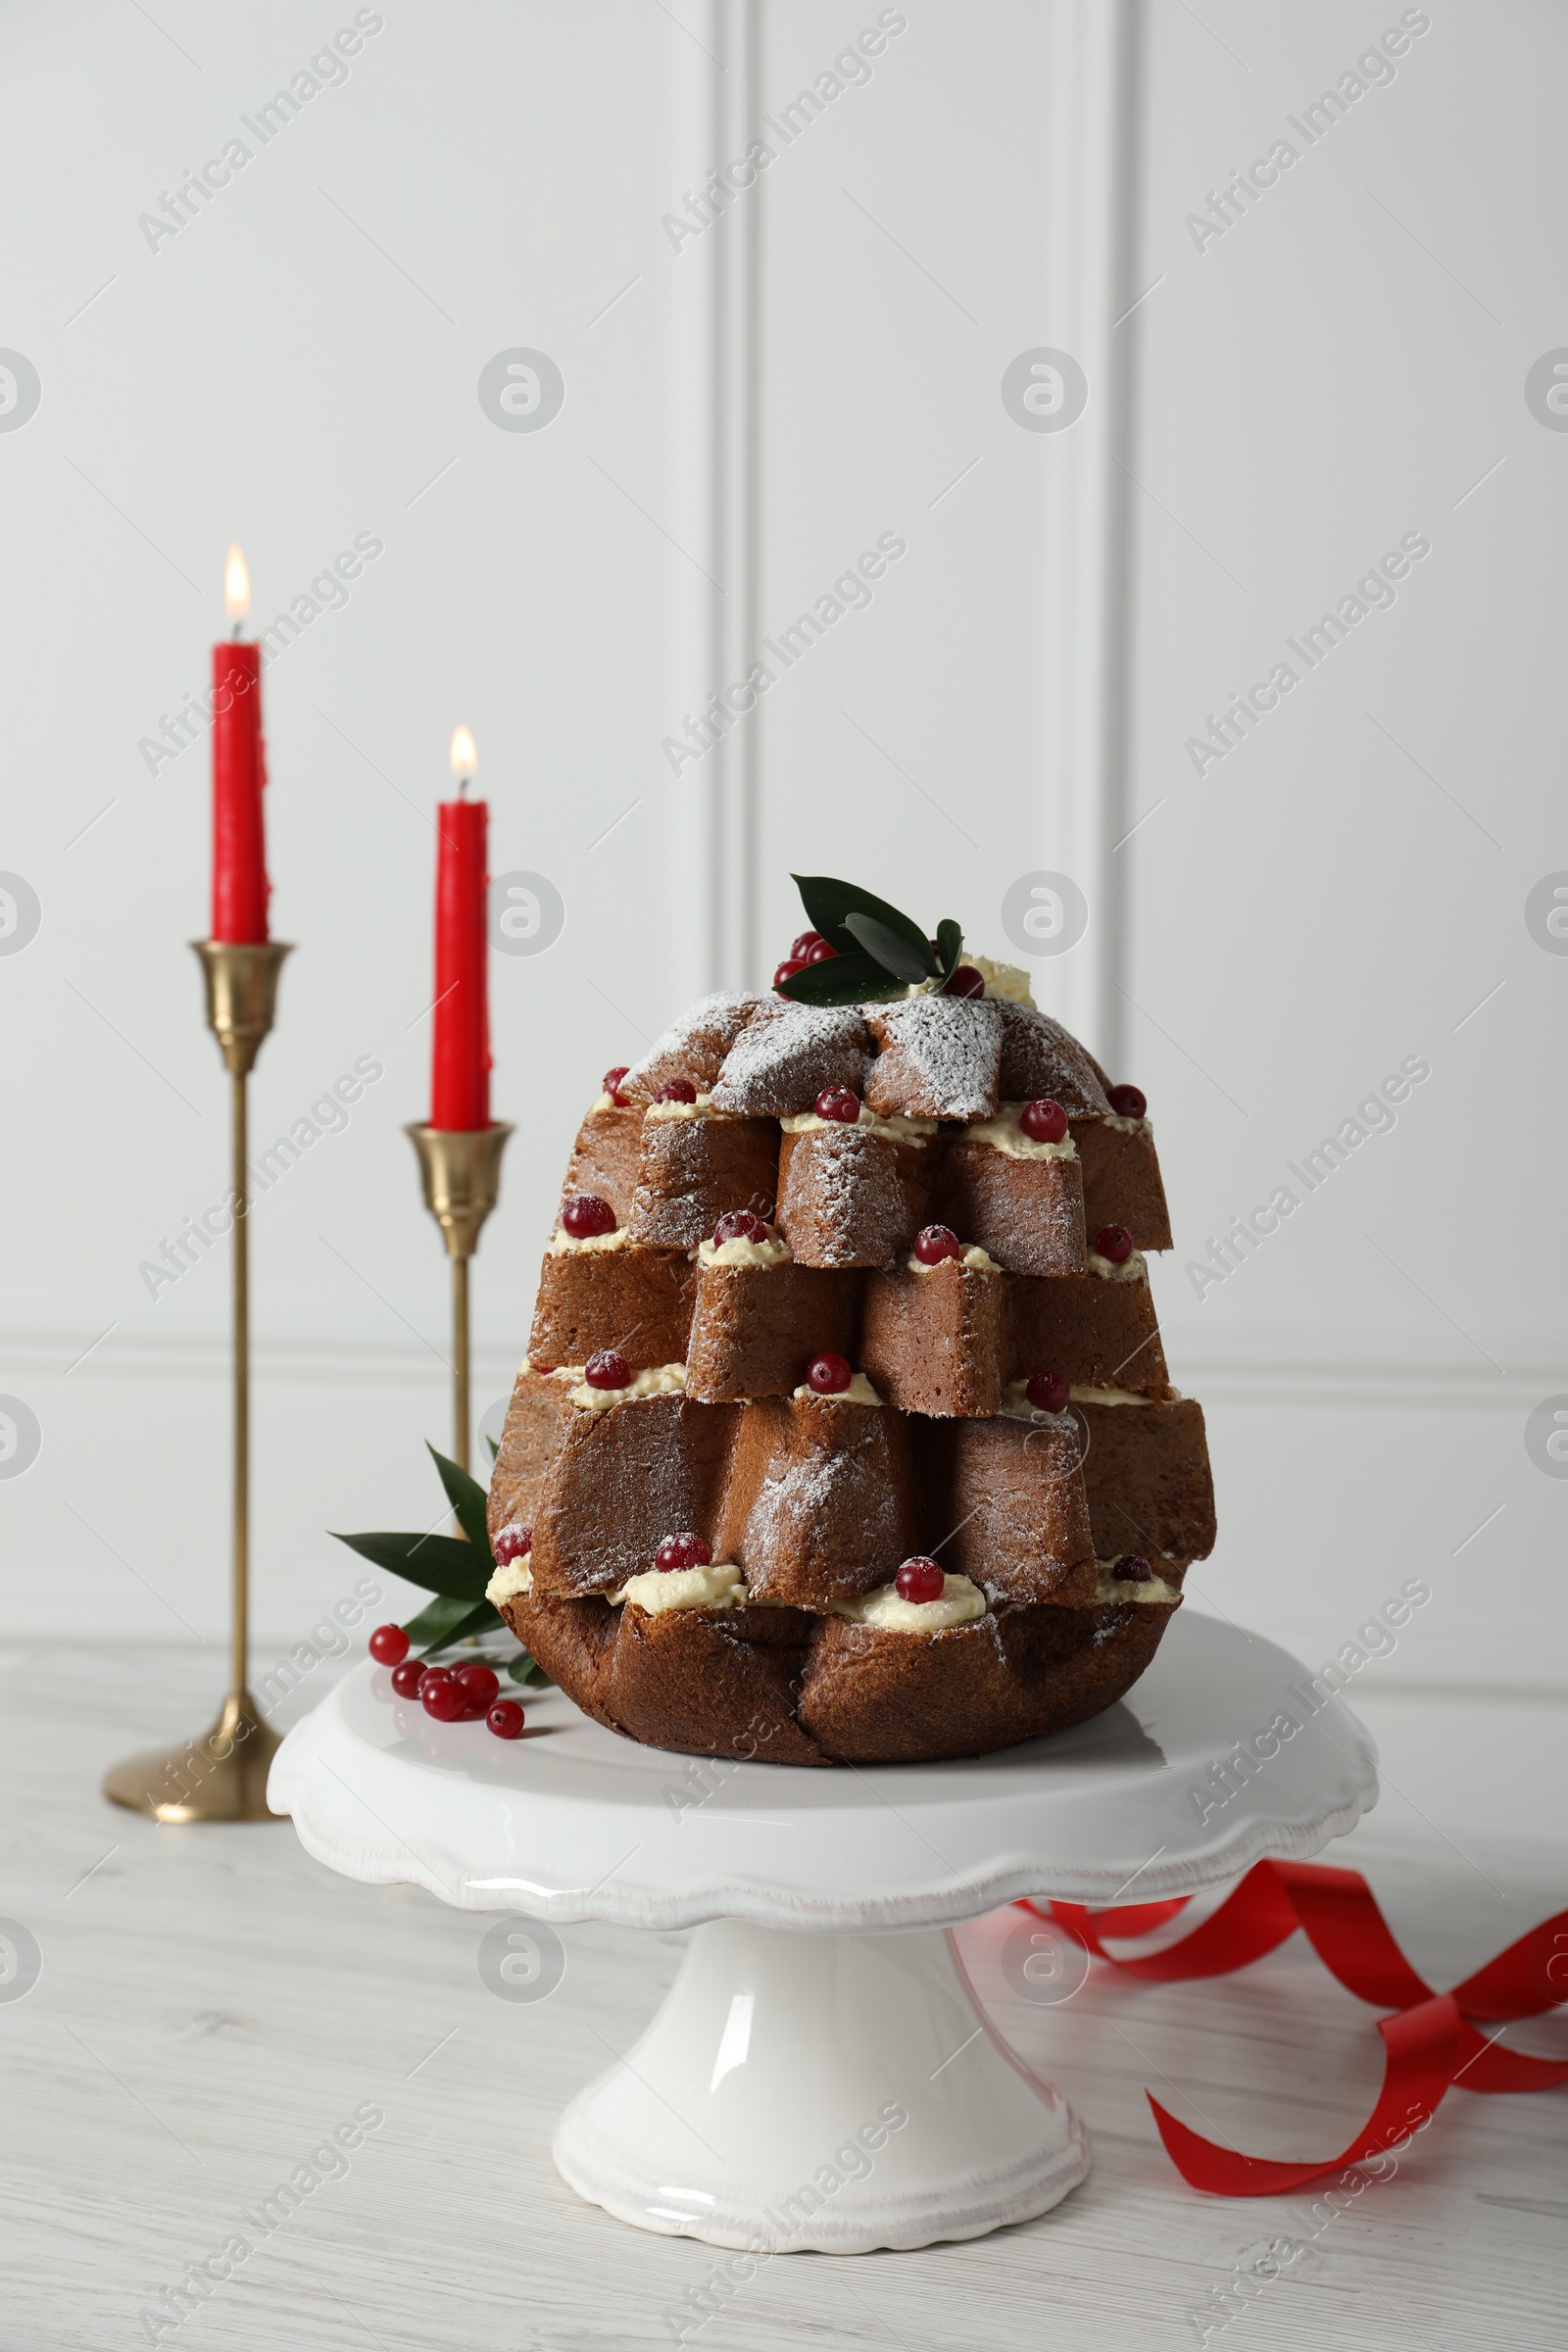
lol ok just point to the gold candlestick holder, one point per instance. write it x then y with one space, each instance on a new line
460 1171
221 1775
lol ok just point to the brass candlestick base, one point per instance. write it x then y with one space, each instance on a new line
461 1174
221 1776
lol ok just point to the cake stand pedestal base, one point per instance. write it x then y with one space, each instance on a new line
828 2092
820 2076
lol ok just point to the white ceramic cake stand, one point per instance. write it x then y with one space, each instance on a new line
821 2073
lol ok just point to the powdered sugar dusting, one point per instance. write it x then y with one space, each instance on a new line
695 1046
1039 1056
828 1519
787 1053
940 1058
840 1199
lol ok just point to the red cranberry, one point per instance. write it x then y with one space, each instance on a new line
610 1082
442 1695
965 982
512 1544
586 1214
506 1719
480 1683
828 1375
676 1090
804 942
740 1225
1044 1122
920 1579
934 1243
607 1369
1047 1392
1115 1243
1127 1101
1132 1568
389 1644
821 953
788 969
406 1678
682 1551
839 1102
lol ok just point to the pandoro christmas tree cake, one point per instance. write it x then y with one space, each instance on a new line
845 1431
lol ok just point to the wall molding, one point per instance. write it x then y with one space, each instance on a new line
720 326
1092 149
1090 163
1229 1379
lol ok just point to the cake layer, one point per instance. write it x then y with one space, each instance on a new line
943 1341
695 1170
1099 1333
820 1501
933 1342
848 1196
636 1301
1012 1497
1122 1182
1146 1470
696 1046
856 1195
939 1058
776 1685
756 1328
1023 1208
601 1490
817 1499
927 1057
606 1157
1039 1058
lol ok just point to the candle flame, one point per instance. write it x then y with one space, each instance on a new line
237 584
465 754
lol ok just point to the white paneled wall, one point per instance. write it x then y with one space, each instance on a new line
749 408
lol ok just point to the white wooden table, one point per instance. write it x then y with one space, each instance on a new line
212 2004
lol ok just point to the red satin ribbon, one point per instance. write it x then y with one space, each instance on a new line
1429 2044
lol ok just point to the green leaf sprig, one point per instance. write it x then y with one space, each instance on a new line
455 1570
878 950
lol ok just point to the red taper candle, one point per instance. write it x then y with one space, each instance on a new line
460 1079
240 886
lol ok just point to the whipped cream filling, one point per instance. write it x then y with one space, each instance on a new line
774 1251
961 1602
1008 980
607 1103
664 1380
1003 1134
858 1391
718 1587
1113 1118
895 1126
1132 1269
1108 1586
699 1109
975 1258
515 1577
1087 1396
567 1244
